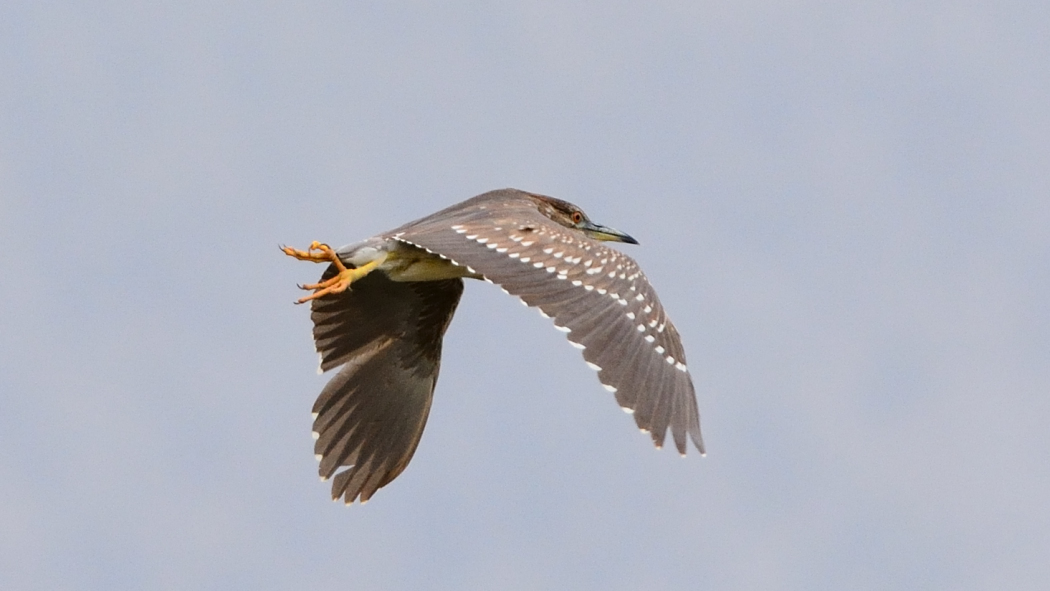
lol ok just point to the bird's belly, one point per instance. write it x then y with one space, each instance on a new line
423 268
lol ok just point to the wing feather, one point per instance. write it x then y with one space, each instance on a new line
387 338
598 293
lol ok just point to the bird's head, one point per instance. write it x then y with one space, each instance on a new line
571 216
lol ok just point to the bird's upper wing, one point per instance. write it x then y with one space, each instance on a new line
370 416
596 294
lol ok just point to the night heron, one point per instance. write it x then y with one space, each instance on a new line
383 305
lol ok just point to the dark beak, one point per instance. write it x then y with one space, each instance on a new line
606 233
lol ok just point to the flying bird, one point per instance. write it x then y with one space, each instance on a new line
382 306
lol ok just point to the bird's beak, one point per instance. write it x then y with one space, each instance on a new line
606 233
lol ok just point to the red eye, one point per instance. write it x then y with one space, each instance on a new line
577 217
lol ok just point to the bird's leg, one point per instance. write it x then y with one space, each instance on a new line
322 253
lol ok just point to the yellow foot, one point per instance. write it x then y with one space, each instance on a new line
322 253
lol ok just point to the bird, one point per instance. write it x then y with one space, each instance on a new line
382 306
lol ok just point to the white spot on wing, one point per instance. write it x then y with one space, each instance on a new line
609 388
594 366
627 410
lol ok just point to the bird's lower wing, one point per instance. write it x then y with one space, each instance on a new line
387 338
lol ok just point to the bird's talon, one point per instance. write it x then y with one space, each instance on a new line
319 252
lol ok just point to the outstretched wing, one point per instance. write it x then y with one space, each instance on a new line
387 338
596 294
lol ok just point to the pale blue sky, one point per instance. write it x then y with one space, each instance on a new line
858 196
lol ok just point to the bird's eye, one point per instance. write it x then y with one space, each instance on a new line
577 217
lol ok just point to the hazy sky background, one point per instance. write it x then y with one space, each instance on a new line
857 196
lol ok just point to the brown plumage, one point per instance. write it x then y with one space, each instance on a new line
386 329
